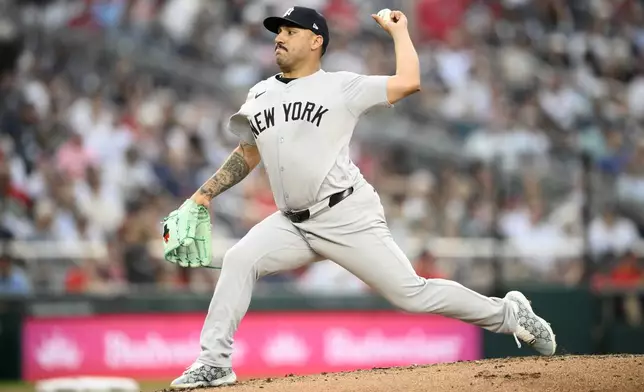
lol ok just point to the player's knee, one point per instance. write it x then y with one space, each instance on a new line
411 306
409 300
238 259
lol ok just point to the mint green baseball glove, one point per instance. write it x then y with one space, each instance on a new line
187 236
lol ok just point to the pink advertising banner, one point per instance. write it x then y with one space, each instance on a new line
267 344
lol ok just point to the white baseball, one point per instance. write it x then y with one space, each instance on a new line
385 14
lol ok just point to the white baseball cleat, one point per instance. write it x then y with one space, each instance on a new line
200 375
531 329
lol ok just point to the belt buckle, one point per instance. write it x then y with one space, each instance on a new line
293 216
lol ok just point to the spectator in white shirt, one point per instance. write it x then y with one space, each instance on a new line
344 58
630 185
328 278
470 101
87 115
454 61
99 203
610 234
131 174
538 242
562 103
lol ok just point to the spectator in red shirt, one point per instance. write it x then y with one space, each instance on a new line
628 273
91 276
436 18
9 193
15 204
425 266
343 15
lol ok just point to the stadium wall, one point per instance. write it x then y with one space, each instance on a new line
51 336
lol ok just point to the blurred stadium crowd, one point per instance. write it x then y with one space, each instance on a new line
113 112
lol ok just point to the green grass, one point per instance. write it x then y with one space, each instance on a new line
15 387
146 386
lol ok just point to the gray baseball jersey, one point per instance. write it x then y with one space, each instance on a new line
303 129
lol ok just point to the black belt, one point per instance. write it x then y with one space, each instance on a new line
301 216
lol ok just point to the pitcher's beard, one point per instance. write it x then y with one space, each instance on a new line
283 64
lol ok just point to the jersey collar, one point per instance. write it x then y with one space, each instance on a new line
318 72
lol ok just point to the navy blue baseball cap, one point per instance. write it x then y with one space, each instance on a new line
302 17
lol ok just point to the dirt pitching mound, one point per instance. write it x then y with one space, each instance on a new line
558 374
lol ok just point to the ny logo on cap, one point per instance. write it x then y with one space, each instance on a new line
288 12
315 26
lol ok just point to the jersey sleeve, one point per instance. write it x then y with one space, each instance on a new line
238 122
362 92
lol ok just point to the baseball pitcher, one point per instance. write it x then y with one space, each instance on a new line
299 124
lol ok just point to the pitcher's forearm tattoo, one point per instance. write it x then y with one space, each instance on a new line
231 172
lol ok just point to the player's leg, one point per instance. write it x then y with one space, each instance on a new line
354 235
271 246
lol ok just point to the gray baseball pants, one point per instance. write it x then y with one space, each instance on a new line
354 235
